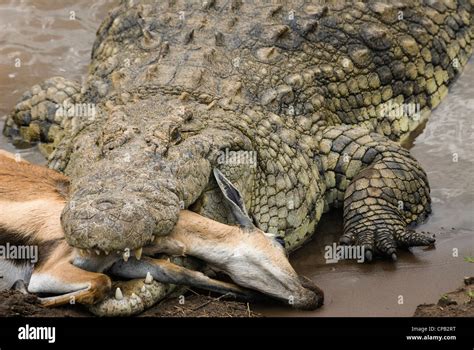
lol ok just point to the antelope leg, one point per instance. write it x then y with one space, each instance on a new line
72 283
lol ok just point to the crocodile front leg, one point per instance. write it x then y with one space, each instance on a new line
381 187
43 111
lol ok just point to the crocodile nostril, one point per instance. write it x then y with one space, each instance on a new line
104 204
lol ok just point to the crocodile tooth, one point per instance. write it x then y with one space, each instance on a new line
143 289
138 253
148 278
134 296
97 251
118 294
126 255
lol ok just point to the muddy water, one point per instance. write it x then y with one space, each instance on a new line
48 42
44 38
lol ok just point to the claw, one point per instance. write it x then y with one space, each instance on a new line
394 256
413 239
391 251
430 240
385 242
345 240
368 255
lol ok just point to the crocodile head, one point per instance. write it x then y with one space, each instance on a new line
135 168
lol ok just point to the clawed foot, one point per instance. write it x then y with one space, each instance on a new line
385 242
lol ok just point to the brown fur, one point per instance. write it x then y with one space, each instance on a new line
31 201
23 181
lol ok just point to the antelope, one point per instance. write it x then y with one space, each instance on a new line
32 199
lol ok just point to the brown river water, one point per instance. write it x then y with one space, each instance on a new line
48 42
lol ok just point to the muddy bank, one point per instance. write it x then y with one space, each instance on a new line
16 304
459 303
198 305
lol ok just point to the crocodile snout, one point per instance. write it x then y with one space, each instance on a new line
108 224
119 207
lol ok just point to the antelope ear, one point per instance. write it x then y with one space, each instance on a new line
234 200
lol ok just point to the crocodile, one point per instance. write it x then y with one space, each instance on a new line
303 106
41 262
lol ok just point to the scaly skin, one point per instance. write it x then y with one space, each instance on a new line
303 86
34 117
